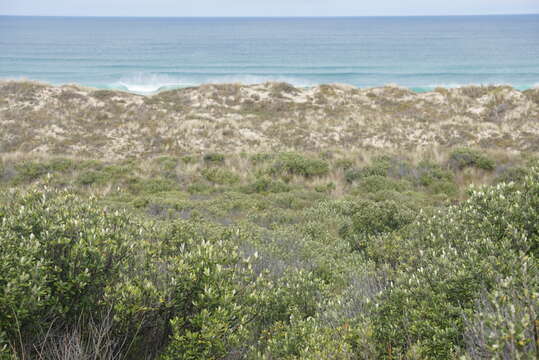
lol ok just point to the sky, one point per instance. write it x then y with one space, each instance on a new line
266 7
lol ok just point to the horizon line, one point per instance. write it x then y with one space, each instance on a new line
267 17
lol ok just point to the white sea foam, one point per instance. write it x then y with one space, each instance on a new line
148 83
152 83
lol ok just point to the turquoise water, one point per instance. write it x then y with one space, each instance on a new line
149 54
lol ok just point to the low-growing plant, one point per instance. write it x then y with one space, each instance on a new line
214 158
220 176
266 185
296 164
91 177
465 157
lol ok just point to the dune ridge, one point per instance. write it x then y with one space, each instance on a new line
80 121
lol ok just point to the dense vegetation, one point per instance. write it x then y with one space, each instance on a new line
270 256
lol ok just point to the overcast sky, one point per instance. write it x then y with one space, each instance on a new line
265 7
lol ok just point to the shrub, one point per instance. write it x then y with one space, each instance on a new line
266 185
466 157
344 164
91 177
375 218
296 164
504 321
199 188
214 158
30 171
355 174
463 251
167 166
379 167
260 158
150 186
210 300
376 183
326 188
59 255
427 173
220 176
512 174
444 187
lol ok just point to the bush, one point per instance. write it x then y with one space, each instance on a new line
150 186
266 185
504 321
91 177
464 251
380 166
59 256
260 158
296 164
376 183
375 218
30 171
220 176
428 173
466 157
211 299
214 158
344 164
512 174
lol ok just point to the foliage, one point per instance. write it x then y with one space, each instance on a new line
296 164
466 157
462 251
266 185
220 176
290 260
59 256
214 158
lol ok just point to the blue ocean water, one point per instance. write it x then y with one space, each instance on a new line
149 54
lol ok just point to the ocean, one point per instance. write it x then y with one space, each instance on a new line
145 55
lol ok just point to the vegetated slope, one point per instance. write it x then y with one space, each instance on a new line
332 279
73 120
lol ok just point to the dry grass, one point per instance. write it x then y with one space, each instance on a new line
231 118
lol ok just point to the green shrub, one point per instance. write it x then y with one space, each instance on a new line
188 159
210 300
214 158
374 218
512 174
296 164
463 251
355 174
326 188
428 173
266 185
62 165
220 176
344 164
466 157
59 256
504 321
91 177
30 171
150 186
261 158
380 166
444 187
199 188
168 166
376 183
